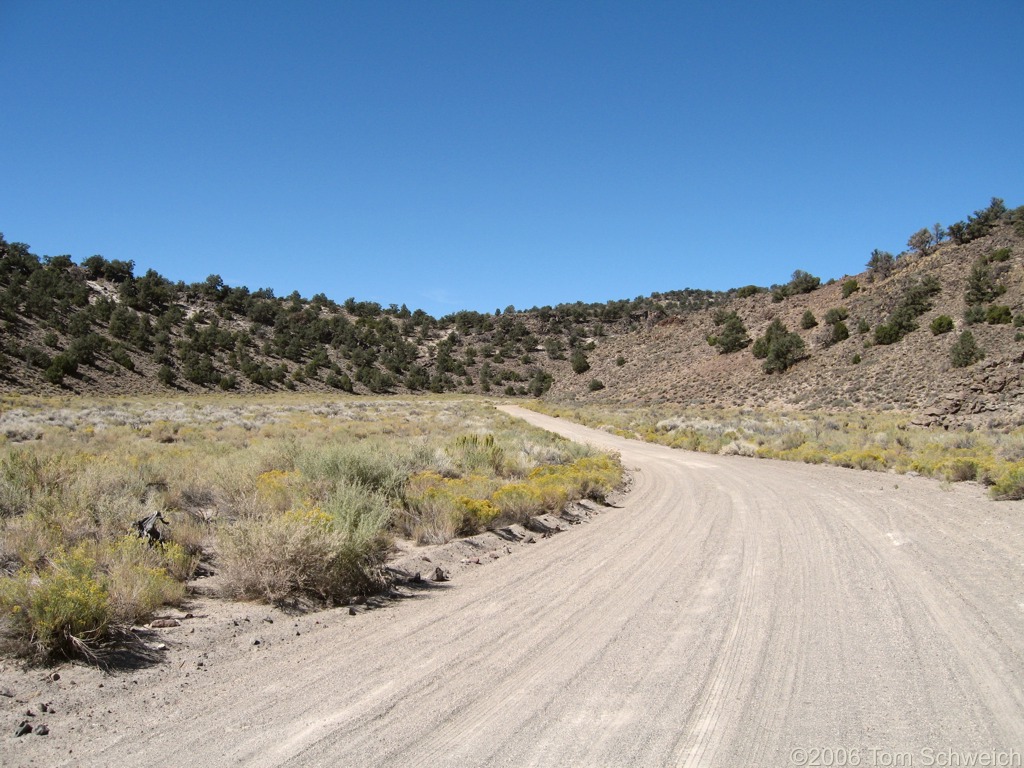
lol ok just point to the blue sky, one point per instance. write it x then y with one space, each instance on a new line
472 155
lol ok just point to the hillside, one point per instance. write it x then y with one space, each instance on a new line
98 328
673 362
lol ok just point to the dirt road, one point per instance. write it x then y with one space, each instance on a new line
733 612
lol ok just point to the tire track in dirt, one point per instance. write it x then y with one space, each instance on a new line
730 611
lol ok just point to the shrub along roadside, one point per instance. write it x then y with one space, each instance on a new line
439 509
292 501
863 440
87 596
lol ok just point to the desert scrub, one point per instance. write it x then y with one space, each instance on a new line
63 610
326 555
1010 483
438 508
863 440
592 477
374 463
86 596
289 497
475 452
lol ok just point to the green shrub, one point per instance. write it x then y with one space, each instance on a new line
863 326
808 320
84 349
1017 219
1010 485
540 382
975 314
62 611
836 315
915 301
302 553
999 254
34 356
166 375
554 348
981 285
733 336
62 365
779 348
579 362
838 332
367 464
342 382
887 333
941 324
803 282
998 314
881 264
923 241
850 287
965 351
475 453
620 361
979 224
120 356
595 385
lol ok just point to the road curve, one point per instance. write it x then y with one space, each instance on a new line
733 612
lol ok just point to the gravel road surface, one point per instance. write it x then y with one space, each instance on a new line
731 612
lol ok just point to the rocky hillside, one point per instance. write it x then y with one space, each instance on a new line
880 339
672 361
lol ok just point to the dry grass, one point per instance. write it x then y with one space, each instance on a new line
289 498
879 441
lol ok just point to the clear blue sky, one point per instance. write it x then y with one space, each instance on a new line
471 155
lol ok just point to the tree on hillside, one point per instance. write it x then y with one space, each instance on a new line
803 282
981 285
916 300
579 361
733 335
922 241
837 332
837 328
779 348
540 382
881 264
979 224
965 351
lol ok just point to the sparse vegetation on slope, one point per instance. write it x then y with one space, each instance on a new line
99 328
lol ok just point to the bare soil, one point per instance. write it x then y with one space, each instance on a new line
727 612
